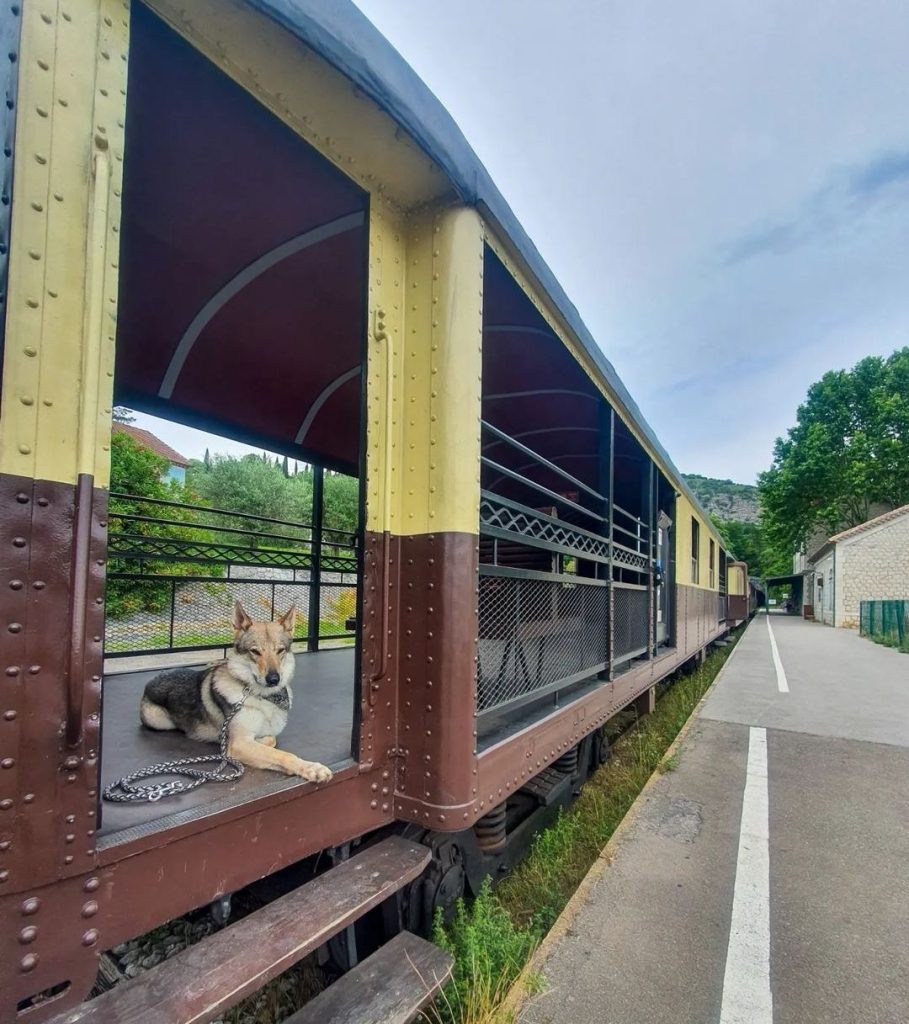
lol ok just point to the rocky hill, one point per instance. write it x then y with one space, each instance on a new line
724 498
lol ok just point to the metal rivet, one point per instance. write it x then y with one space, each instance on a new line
15 584
15 627
28 963
91 884
30 906
18 542
8 762
28 934
90 937
29 798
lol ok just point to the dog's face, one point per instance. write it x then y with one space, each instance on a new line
262 650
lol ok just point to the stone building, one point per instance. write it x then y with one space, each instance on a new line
868 562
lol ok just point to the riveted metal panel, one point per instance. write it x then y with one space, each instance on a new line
49 743
58 361
425 298
435 668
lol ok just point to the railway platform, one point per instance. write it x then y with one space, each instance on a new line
763 880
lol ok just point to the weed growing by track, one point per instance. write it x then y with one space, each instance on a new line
493 937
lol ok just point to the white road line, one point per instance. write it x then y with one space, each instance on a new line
781 681
747 998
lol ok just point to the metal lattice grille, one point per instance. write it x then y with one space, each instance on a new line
525 523
536 634
630 621
628 558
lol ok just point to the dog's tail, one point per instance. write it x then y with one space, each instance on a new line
153 716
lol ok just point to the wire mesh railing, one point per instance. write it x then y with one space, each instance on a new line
175 570
885 621
537 634
565 588
630 622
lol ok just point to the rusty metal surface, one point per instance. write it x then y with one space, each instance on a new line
208 978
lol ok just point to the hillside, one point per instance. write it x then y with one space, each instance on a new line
724 498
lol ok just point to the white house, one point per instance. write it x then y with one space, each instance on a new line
865 563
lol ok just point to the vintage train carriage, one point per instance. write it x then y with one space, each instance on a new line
253 217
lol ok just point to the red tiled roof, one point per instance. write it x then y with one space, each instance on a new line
877 521
148 440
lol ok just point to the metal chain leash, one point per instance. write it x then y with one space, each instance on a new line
229 770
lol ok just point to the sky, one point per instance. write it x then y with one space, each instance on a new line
721 188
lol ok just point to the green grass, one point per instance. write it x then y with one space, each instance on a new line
890 641
493 937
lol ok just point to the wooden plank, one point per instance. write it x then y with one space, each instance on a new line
389 987
203 981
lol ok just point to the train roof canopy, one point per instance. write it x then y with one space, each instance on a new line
341 34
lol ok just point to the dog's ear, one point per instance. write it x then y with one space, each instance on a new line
241 621
289 619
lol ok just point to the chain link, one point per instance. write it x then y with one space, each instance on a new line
228 769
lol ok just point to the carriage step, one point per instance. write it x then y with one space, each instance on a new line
206 979
548 786
389 987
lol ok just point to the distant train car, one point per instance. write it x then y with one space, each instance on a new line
254 218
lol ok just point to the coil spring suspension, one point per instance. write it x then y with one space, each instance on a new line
568 762
490 829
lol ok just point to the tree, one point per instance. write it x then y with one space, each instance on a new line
748 543
138 472
848 451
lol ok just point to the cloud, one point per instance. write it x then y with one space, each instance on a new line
848 196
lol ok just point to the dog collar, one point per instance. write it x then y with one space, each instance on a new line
280 699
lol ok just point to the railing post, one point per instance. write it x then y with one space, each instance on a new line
607 487
651 591
314 622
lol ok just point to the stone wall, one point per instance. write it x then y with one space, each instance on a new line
872 565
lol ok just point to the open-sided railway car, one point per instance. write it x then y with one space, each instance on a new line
253 217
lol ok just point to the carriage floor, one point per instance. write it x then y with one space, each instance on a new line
319 729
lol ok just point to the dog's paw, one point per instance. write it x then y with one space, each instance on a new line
267 741
312 771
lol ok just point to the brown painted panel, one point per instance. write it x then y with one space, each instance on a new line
435 596
48 804
77 918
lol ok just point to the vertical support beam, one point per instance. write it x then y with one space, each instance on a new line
610 501
314 620
604 485
651 557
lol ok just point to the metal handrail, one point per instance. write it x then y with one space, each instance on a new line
541 460
221 512
541 489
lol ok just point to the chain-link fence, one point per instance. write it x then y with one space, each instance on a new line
537 634
886 622
630 622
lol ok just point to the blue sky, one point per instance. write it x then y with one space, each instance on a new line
722 188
